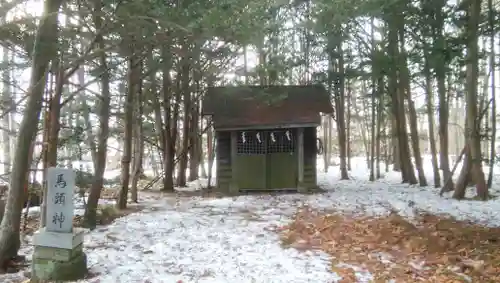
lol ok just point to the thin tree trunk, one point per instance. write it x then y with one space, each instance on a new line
341 129
138 145
363 128
170 119
186 96
90 216
54 116
202 153
326 141
374 76
395 21
386 145
91 139
337 79
472 166
194 136
134 75
153 161
380 109
210 140
44 51
348 126
396 160
491 19
158 124
438 56
210 153
430 119
373 129
7 101
405 88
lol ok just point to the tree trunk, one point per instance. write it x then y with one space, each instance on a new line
473 165
138 145
326 144
201 151
416 143
134 77
380 109
348 126
491 19
396 91
203 169
363 128
210 153
54 115
373 129
374 76
440 64
7 105
341 129
337 78
156 104
195 151
85 112
386 146
170 120
44 51
90 216
406 91
210 139
396 160
366 123
13 124
186 96
377 105
429 99
152 159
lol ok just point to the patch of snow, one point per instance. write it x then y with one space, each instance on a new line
360 196
195 185
198 244
227 240
34 211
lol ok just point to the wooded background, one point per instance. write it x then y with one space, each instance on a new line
117 84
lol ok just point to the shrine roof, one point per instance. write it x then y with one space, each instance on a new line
234 107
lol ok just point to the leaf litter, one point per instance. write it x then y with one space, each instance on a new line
435 249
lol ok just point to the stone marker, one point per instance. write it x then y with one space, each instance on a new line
58 254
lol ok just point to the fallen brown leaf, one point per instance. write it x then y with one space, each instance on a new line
435 249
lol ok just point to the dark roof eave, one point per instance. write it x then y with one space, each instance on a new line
265 127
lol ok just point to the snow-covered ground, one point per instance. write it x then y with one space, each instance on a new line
231 239
77 200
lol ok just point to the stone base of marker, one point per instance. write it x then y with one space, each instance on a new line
58 256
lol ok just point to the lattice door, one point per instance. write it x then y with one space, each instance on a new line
251 160
267 159
282 159
251 142
281 141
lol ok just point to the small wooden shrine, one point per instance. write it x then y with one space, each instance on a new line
266 135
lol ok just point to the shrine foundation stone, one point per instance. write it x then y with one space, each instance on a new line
58 256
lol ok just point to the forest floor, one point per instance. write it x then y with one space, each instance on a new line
356 231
